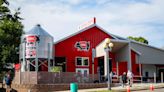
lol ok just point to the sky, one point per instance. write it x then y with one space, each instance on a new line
124 18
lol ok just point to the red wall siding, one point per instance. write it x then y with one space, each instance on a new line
122 66
135 67
67 49
112 55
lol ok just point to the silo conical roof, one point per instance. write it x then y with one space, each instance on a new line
38 30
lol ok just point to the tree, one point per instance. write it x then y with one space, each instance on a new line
139 39
11 30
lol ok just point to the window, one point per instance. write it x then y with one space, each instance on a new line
82 61
83 71
79 61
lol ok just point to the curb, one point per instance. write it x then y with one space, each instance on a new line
138 88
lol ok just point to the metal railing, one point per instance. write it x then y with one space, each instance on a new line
52 78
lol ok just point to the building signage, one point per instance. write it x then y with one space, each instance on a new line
88 23
82 45
31 38
31 46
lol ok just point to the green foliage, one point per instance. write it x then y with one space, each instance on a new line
56 69
11 30
139 39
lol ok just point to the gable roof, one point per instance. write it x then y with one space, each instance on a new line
91 26
116 37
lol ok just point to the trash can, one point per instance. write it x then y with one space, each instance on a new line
73 87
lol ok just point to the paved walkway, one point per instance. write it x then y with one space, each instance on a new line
135 87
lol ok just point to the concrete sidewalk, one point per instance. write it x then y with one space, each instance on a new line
135 87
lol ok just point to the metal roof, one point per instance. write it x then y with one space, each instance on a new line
38 30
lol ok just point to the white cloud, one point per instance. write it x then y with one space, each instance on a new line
61 18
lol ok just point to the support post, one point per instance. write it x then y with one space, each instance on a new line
93 56
161 77
140 72
24 57
154 77
36 58
108 67
48 57
117 69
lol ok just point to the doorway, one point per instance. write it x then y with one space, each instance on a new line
61 62
101 68
161 71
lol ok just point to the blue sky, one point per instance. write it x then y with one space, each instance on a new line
120 17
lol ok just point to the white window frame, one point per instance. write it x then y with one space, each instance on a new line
82 61
82 70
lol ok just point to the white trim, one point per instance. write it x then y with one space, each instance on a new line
82 61
105 31
91 26
114 36
75 33
121 41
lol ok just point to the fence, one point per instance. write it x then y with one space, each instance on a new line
52 78
118 79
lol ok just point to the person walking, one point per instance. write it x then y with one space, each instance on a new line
124 79
130 78
8 80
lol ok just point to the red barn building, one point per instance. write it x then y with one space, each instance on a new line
83 52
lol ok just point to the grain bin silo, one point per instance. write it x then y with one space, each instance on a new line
36 50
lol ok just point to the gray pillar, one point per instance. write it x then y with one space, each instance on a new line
108 75
49 57
36 58
154 77
161 77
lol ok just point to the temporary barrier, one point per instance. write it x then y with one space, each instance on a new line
128 88
151 87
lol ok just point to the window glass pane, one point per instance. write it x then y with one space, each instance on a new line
79 61
85 61
85 73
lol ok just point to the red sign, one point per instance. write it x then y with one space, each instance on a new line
31 38
31 46
82 45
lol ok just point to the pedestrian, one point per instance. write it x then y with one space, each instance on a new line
130 78
8 79
124 79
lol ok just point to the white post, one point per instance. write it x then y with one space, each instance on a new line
154 77
24 57
161 77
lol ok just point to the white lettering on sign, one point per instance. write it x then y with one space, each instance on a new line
31 46
88 23
82 45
